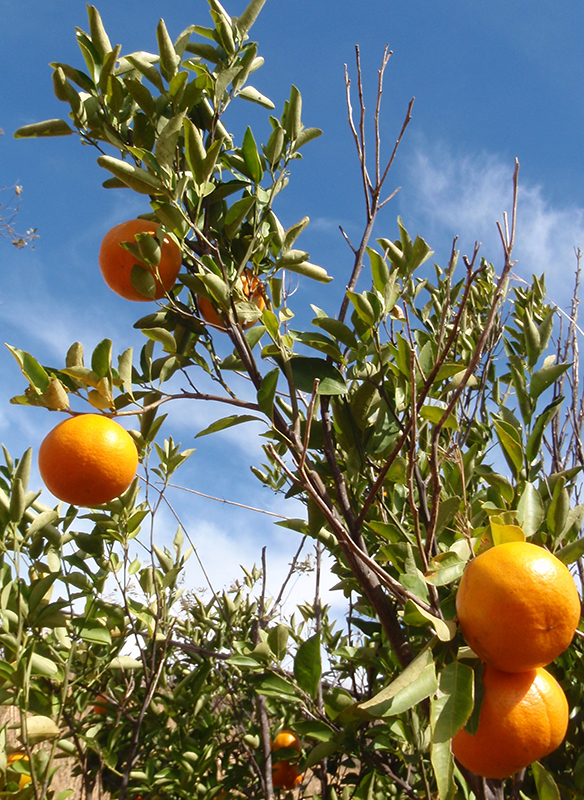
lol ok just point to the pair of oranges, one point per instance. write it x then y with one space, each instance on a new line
89 459
117 263
518 609
285 773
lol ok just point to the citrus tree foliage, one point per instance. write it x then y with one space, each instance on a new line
423 420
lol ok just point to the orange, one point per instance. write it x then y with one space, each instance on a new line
518 606
252 290
116 263
524 716
100 706
285 774
24 779
88 460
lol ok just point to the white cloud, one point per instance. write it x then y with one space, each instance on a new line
449 194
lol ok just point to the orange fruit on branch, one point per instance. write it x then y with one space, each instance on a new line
116 262
284 773
523 717
100 705
252 290
88 460
518 606
24 779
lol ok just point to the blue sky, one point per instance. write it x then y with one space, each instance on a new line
492 81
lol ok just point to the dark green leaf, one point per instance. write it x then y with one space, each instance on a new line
306 370
267 392
251 156
227 422
307 665
543 378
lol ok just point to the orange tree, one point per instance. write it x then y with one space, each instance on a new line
423 421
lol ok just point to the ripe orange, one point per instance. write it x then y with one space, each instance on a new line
285 774
518 606
252 290
100 706
116 263
24 779
88 460
524 716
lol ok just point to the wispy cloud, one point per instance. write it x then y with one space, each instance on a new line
450 194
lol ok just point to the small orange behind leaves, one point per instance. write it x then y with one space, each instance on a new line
24 779
88 460
100 705
116 262
252 290
524 716
284 773
518 606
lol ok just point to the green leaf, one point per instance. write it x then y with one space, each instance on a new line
144 63
414 684
530 509
443 764
559 508
31 369
338 329
321 751
40 729
237 213
251 156
278 639
125 662
544 782
227 422
512 449
99 37
543 378
445 568
367 306
454 703
379 270
50 127
306 370
306 135
92 631
310 271
294 113
169 60
532 341
252 94
314 729
43 666
273 685
307 665
245 21
101 359
544 419
506 533
267 392
571 552
165 150
135 178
